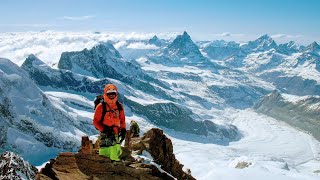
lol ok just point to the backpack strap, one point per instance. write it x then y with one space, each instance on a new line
104 109
119 106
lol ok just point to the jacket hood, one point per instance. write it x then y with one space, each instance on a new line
110 88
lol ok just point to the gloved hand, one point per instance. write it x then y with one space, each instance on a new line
122 134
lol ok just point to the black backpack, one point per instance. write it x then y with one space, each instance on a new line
99 99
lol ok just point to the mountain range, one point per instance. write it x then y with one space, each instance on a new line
189 89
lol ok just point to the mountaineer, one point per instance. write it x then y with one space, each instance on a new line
109 119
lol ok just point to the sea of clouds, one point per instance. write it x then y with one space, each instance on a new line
48 45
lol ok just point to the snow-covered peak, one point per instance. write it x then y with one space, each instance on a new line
313 48
9 69
265 37
183 45
106 49
263 43
32 60
155 41
289 48
14 167
266 41
31 123
95 62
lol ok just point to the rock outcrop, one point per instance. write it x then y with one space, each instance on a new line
161 149
87 164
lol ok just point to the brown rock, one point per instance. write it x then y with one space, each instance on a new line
92 166
161 149
88 165
86 145
242 165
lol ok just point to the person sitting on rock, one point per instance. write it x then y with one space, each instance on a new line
134 128
109 119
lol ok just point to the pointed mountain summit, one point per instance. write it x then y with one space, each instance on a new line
266 41
265 37
313 48
155 41
263 43
32 60
184 46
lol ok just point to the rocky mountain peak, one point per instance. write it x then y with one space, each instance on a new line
100 61
184 46
313 46
13 166
106 49
266 40
265 37
185 34
263 43
32 60
155 41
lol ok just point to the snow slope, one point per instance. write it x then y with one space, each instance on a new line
274 149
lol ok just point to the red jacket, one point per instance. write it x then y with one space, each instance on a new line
112 117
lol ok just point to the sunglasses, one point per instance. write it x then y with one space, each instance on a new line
111 94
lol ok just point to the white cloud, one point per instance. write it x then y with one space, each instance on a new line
140 45
225 34
76 18
48 45
275 36
228 34
120 44
284 38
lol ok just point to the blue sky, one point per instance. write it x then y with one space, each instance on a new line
203 19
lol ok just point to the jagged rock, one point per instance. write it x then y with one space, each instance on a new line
86 145
161 149
87 164
14 167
